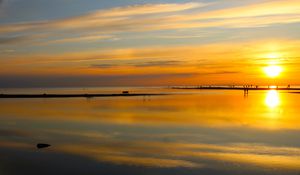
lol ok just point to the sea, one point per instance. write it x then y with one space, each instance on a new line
183 132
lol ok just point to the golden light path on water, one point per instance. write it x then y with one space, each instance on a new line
272 99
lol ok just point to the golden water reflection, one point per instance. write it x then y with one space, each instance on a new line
272 99
211 109
208 130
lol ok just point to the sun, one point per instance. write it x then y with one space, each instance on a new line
273 70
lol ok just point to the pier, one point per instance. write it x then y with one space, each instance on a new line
244 88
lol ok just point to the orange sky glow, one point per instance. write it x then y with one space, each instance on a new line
191 43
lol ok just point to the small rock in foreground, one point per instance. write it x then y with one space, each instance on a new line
42 145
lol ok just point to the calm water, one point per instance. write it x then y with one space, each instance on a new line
187 133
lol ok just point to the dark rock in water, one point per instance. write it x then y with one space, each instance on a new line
42 145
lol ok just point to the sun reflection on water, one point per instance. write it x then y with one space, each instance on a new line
272 99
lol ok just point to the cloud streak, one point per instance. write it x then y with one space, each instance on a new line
152 17
12 40
118 18
140 63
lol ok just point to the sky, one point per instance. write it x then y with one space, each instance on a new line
70 43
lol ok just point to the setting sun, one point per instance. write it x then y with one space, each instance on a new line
273 71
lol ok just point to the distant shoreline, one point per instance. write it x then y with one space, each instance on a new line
73 95
236 88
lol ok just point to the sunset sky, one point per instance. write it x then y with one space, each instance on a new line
148 42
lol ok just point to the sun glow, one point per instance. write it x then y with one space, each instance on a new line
273 70
273 55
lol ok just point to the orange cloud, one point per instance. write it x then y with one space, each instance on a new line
219 62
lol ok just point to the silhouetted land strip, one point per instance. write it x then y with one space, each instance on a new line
237 88
74 95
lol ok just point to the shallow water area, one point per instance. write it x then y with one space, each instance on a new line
187 132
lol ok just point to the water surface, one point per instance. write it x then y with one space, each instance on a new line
188 132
